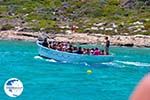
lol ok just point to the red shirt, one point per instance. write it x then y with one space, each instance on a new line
97 52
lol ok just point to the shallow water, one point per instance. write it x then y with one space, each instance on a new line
51 80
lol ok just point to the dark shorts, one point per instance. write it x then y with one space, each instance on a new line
107 50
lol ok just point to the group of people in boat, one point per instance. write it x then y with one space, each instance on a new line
68 47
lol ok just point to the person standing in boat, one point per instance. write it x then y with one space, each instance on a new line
107 44
45 43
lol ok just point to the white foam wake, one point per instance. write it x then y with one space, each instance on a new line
114 64
134 63
48 60
38 57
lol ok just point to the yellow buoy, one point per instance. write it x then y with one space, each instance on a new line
89 71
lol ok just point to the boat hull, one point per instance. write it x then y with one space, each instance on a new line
72 57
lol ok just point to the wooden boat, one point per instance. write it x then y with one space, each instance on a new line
72 57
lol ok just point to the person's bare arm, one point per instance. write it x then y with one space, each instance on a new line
142 91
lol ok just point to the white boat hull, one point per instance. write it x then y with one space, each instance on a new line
72 57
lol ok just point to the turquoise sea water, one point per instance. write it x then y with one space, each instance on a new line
49 80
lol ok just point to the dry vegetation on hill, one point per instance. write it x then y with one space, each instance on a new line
128 16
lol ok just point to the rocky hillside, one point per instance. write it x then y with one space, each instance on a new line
127 17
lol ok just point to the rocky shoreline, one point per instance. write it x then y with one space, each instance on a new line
83 38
